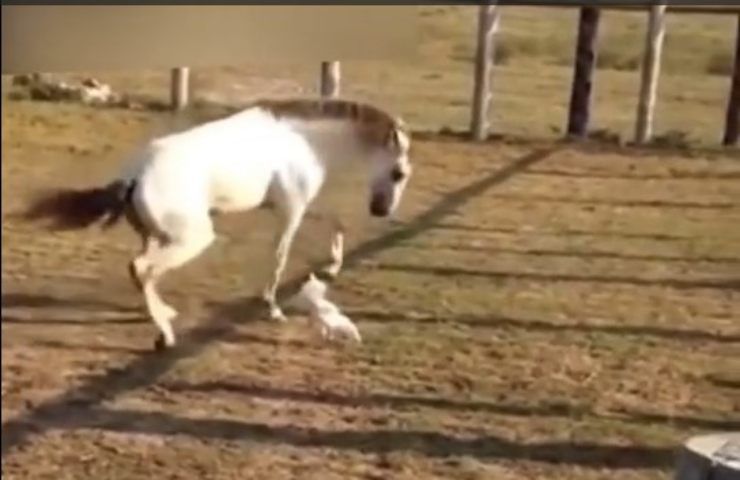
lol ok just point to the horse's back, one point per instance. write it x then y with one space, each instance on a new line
227 164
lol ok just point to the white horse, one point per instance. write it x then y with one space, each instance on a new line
274 153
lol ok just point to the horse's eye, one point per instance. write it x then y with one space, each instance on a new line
397 174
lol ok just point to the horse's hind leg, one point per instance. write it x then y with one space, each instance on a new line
139 269
139 266
177 251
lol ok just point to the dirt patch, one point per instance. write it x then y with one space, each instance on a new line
536 311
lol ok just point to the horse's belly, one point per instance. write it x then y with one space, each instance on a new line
238 191
234 203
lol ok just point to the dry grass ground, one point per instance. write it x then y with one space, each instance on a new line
537 310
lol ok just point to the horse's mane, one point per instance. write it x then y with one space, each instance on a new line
374 124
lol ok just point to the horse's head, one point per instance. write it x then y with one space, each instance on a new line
390 174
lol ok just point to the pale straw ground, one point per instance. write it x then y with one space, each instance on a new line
537 310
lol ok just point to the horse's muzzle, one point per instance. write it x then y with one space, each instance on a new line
379 207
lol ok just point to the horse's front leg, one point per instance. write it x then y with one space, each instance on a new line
337 248
337 254
292 220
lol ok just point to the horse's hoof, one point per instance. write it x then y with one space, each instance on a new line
278 317
275 314
161 345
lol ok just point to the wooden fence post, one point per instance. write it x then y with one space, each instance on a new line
732 121
330 78
585 61
488 19
179 87
650 73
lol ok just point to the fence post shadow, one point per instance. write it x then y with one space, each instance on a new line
148 367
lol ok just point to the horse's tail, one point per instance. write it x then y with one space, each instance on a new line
70 209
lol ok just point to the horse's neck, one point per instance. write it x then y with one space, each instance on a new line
335 142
